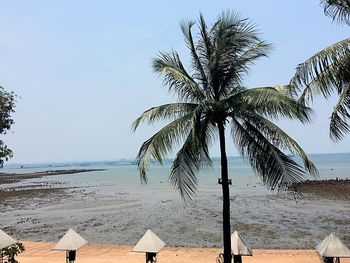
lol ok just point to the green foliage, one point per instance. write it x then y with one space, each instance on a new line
338 10
7 106
10 252
213 94
328 72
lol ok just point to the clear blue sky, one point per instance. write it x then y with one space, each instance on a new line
83 71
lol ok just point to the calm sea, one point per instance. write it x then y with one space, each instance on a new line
124 173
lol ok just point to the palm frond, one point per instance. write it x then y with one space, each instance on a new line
164 112
200 75
176 77
329 81
340 115
236 45
338 10
269 101
240 66
161 143
192 156
183 175
280 139
326 73
320 73
204 44
276 169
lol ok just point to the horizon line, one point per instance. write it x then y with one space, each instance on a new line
127 160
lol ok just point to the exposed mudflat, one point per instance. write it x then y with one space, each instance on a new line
337 189
42 209
16 177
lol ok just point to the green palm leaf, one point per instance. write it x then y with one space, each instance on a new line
319 74
176 77
189 160
276 169
160 144
164 112
269 101
340 115
201 76
338 10
326 73
280 139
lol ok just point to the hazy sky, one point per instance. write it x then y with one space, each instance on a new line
83 71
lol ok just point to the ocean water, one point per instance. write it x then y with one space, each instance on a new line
124 174
112 206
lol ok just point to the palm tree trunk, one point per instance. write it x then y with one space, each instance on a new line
225 195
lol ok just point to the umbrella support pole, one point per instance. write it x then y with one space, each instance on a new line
237 258
70 256
151 257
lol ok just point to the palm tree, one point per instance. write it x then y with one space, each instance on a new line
328 72
213 98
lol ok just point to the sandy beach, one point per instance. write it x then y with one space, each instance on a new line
40 252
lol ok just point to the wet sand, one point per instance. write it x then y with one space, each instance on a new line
40 210
40 252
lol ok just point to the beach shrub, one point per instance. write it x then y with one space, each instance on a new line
10 252
7 105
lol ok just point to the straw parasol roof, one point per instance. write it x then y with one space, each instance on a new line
238 246
70 241
149 243
332 247
6 240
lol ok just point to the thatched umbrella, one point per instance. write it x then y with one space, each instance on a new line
332 247
70 242
5 241
239 248
150 244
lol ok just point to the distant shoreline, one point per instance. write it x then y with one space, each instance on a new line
125 161
16 177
